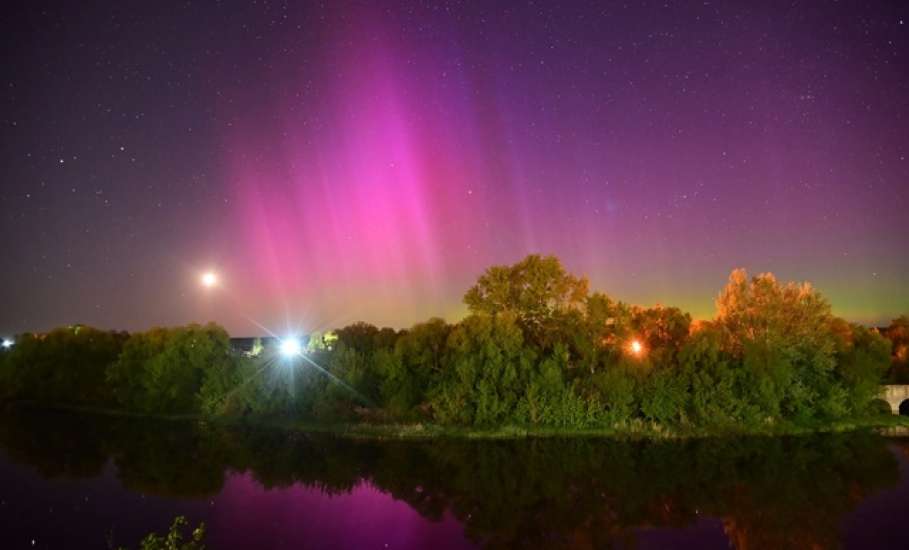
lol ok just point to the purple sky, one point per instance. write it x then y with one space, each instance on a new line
347 162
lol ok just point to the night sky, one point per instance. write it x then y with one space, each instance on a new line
344 161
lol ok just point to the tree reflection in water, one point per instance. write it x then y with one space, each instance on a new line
768 492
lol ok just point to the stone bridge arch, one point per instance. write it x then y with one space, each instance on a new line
895 395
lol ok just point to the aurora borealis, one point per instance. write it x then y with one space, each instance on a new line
345 161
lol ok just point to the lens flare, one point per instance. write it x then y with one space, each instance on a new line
291 347
7 343
636 348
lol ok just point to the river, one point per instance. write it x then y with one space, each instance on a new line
70 481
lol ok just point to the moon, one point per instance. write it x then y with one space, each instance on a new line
209 279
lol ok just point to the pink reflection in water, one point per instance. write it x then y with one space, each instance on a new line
246 515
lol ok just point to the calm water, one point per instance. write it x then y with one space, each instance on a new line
75 482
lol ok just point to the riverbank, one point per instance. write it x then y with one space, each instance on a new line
895 426
888 425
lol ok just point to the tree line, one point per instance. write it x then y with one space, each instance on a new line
538 349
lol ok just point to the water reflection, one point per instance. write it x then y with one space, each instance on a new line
757 492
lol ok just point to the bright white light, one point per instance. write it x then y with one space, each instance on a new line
291 347
209 279
7 343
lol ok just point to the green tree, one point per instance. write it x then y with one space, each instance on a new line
532 291
784 334
550 401
616 388
418 359
163 370
350 382
664 395
64 366
365 338
713 377
126 376
487 374
862 360
174 539
662 330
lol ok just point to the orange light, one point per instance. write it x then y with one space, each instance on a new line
636 348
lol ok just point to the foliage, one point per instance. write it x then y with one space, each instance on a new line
616 389
178 370
862 359
532 291
898 334
537 350
418 358
663 397
549 401
486 374
784 335
174 539
714 382
64 366
663 330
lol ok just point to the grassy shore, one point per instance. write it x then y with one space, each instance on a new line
889 425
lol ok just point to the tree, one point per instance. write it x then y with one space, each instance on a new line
763 310
64 366
549 400
351 381
713 378
663 330
365 338
418 359
862 360
487 375
126 376
609 320
784 335
163 370
898 334
616 388
532 291
664 394
174 539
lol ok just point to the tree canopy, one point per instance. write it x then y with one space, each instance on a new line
538 349
532 290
